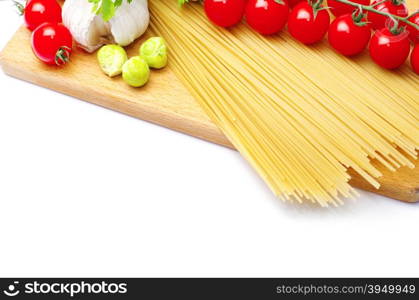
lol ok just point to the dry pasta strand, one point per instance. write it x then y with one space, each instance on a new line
300 116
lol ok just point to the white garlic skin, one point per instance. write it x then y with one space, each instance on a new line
91 32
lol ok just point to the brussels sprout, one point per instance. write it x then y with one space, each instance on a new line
136 72
154 51
111 59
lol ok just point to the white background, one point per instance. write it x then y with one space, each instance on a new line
85 191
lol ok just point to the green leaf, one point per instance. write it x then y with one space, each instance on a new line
107 10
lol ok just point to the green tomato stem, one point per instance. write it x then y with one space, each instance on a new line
378 3
62 56
372 9
19 6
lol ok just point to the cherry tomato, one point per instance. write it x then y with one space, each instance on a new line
413 32
304 26
339 8
389 50
292 3
225 13
390 6
267 16
414 59
348 37
41 11
52 43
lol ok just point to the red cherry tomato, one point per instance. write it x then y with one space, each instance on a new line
348 37
389 50
267 16
225 13
414 59
304 26
41 11
52 43
339 8
292 3
413 32
379 21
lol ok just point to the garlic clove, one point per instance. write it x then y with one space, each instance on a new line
91 32
78 18
134 16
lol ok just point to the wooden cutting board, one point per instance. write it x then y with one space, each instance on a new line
164 101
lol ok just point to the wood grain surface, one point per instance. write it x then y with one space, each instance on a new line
164 101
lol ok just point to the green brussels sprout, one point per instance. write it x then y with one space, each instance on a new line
154 52
136 72
111 59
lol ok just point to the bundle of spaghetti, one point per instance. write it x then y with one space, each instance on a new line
300 116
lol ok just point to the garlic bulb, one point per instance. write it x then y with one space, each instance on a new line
90 31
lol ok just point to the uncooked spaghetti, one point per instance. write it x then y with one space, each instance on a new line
300 116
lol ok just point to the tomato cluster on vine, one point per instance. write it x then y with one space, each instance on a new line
349 33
